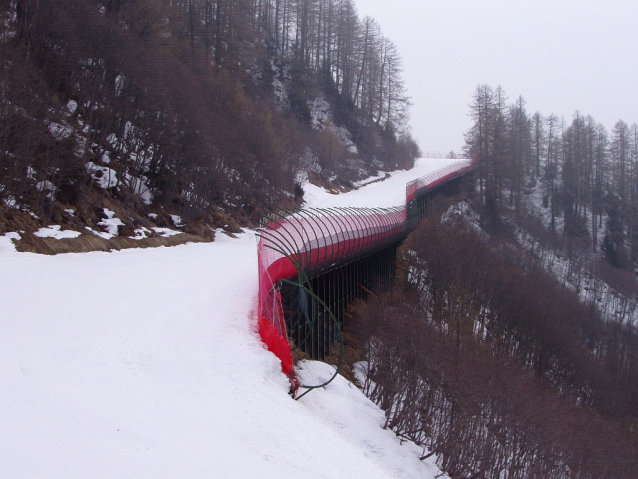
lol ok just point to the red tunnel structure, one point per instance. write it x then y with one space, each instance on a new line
301 242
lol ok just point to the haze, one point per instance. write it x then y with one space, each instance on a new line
561 56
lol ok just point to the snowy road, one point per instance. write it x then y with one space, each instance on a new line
146 364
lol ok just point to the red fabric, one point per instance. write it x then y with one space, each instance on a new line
277 344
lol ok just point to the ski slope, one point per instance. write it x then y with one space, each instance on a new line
375 194
146 363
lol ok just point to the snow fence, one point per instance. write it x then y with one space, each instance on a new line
303 242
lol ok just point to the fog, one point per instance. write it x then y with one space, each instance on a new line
560 55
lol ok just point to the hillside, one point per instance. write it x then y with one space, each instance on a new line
508 346
212 111
146 363
516 328
576 179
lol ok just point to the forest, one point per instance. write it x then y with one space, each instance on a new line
509 347
495 366
215 110
587 176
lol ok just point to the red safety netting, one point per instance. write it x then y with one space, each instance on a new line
272 327
313 239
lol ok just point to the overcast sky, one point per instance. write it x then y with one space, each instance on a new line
560 55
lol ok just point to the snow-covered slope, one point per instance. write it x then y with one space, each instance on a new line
386 193
146 363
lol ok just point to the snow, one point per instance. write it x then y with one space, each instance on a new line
140 233
319 112
279 86
346 410
101 234
10 202
139 187
60 131
110 224
119 84
56 232
177 221
166 232
146 363
103 175
381 194
7 246
45 186
72 106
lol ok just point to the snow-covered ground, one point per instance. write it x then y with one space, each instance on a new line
146 363
386 193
